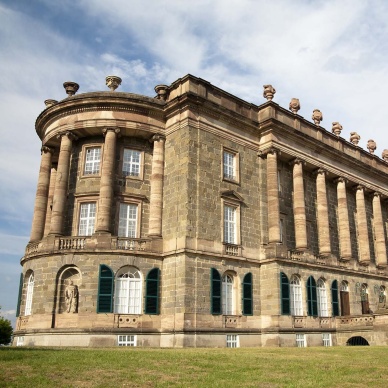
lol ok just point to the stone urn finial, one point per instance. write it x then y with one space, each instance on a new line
294 105
384 155
113 82
269 92
317 117
49 102
71 87
337 128
371 145
354 138
161 91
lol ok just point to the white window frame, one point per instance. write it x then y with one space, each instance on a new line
232 341
296 296
323 310
230 165
127 340
227 297
92 160
20 341
29 294
132 163
128 291
326 339
230 224
87 221
301 341
128 220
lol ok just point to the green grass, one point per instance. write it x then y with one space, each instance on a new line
244 367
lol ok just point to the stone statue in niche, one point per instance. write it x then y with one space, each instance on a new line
71 297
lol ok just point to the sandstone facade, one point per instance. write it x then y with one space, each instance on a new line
197 219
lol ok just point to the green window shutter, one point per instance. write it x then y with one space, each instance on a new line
285 294
312 304
152 292
215 292
20 295
105 290
247 295
334 298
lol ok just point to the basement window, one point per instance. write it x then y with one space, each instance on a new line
127 340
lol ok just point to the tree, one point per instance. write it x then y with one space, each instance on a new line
5 331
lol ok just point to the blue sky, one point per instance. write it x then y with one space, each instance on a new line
332 55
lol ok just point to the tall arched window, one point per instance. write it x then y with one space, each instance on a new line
364 299
344 296
322 298
227 294
312 305
128 291
29 293
296 296
284 294
334 299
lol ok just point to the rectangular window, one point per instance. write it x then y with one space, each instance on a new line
92 161
87 216
281 230
232 341
301 340
127 220
19 341
127 340
230 224
229 165
326 337
131 162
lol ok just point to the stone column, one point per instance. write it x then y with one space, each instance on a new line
61 183
343 220
273 197
105 200
299 206
362 227
53 176
381 251
323 214
156 197
41 197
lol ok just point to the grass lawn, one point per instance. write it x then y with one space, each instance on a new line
244 367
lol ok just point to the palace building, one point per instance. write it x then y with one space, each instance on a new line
196 219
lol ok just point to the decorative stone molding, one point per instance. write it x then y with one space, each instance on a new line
294 105
157 137
354 138
297 161
371 145
336 128
113 82
115 130
340 180
161 91
317 117
46 149
384 155
49 102
272 150
269 92
71 87
69 134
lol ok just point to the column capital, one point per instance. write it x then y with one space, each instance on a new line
113 129
157 137
340 179
271 150
320 171
359 187
46 149
70 135
297 161
377 194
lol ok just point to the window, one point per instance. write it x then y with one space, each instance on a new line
364 299
326 338
301 340
131 163
20 341
284 294
344 295
229 165
215 292
230 236
152 292
127 340
87 216
227 295
30 291
92 161
281 230
296 296
312 305
128 220
247 298
232 341
322 299
128 291
105 290
334 299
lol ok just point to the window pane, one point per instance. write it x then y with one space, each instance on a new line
229 165
92 160
127 220
131 162
87 219
230 224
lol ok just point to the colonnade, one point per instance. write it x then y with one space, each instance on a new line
52 189
322 212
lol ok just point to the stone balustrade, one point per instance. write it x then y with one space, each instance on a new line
232 250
